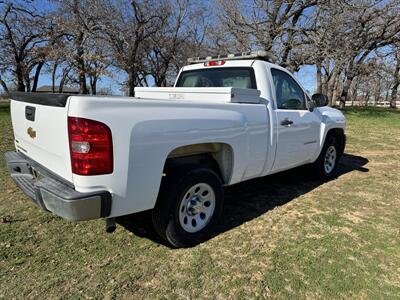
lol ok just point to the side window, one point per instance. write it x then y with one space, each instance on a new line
289 94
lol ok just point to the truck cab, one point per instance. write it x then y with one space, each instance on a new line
297 130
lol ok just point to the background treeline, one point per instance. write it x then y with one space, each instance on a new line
354 45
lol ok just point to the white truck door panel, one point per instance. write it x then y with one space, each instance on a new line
297 138
297 128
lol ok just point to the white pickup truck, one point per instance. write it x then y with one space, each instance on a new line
171 150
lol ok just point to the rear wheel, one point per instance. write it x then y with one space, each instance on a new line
189 207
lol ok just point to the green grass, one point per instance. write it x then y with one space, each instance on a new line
283 236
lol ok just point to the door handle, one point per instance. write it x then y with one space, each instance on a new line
286 122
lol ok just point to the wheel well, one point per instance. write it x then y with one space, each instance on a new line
216 156
338 134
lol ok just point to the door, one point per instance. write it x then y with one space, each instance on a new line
297 128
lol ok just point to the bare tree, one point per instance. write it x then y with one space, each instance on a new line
127 29
182 30
344 37
276 26
97 61
78 23
353 44
374 26
23 38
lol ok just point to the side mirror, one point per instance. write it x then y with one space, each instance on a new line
320 100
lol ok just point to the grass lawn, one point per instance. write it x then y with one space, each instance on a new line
282 236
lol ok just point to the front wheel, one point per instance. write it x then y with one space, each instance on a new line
325 166
189 207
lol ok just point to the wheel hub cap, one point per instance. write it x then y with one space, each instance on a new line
194 206
330 159
197 207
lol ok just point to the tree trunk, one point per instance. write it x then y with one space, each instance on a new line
345 91
366 98
79 57
393 96
27 82
82 83
63 79
19 73
131 82
377 94
386 98
37 74
336 91
61 86
81 70
145 81
325 79
349 76
354 91
4 85
161 81
319 78
331 86
93 85
53 77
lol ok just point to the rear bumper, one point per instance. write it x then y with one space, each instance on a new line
51 194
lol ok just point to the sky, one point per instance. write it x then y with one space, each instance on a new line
307 77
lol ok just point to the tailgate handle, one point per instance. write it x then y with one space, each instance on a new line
30 113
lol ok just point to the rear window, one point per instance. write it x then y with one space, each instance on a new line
218 77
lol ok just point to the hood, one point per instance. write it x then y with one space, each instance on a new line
330 115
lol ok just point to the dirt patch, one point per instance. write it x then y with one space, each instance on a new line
379 152
354 217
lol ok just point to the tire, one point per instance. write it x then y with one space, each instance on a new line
325 167
188 207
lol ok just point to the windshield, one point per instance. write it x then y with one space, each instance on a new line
218 77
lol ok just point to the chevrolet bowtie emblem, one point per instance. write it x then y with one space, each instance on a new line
31 132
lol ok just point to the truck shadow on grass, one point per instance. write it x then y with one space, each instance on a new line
250 199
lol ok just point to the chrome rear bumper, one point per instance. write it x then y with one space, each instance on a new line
52 194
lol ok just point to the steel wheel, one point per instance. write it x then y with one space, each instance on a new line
189 206
330 159
197 207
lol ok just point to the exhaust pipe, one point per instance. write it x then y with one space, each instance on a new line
111 225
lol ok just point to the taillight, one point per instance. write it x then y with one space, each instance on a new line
214 63
90 144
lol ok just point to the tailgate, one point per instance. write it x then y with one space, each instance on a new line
41 130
